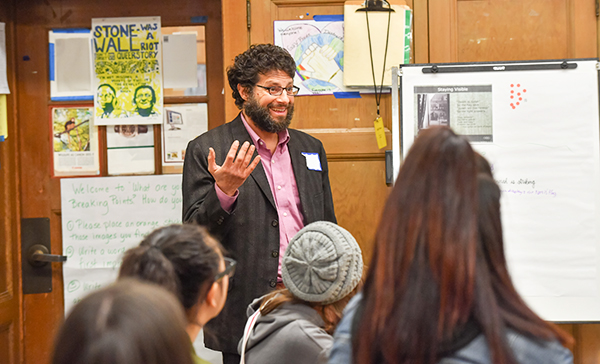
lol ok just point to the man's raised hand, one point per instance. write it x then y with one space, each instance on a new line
234 171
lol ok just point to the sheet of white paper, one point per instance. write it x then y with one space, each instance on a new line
70 65
3 79
130 149
182 124
180 61
102 217
542 142
73 64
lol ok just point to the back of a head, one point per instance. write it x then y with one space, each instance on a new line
127 323
322 264
421 278
322 267
428 230
181 258
438 273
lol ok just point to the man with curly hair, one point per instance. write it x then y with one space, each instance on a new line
255 183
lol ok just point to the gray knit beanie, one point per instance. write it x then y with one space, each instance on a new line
322 263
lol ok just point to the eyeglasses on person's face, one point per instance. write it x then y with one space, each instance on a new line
229 269
278 90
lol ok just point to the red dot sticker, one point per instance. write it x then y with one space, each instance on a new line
513 106
512 91
512 97
518 94
511 85
517 103
520 99
524 90
518 85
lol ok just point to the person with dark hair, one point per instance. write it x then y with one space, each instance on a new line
438 289
144 99
129 322
188 262
255 183
322 269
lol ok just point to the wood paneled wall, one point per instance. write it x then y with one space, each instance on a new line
11 331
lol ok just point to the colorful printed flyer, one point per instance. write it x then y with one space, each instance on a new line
75 141
127 71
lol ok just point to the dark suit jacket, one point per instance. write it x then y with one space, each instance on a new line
250 233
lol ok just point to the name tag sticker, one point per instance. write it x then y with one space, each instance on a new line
312 161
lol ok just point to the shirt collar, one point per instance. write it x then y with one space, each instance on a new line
284 136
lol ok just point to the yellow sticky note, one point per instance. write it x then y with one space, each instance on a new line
3 118
380 133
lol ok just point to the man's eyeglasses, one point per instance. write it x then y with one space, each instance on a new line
278 90
229 269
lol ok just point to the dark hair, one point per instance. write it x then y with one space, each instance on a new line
258 59
182 258
149 88
428 278
127 323
109 86
483 166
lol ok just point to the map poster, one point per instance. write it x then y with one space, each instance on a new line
127 71
318 49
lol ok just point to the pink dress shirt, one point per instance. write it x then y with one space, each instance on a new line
280 174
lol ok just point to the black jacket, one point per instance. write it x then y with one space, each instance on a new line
251 232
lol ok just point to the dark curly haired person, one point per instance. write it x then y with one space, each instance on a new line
254 184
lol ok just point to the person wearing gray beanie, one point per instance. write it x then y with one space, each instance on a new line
321 269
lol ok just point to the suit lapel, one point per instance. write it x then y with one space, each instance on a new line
239 132
300 173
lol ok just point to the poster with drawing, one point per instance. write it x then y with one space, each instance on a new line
127 71
74 141
318 49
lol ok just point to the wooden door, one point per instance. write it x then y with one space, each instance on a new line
345 126
10 288
39 191
488 30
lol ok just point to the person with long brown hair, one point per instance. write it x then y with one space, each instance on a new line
438 290
322 269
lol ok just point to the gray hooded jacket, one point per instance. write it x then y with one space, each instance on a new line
291 334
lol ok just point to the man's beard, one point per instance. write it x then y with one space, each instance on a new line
262 118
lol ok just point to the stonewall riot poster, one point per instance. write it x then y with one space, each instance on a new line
127 71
